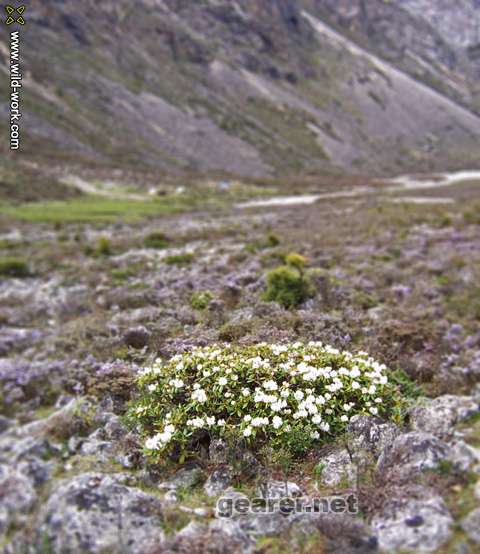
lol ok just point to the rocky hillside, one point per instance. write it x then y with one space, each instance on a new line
249 87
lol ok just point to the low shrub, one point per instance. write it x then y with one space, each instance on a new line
14 267
280 396
296 260
288 286
200 299
104 248
156 240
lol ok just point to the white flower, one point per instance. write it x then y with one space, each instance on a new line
178 383
221 422
317 418
222 381
270 385
344 418
199 395
247 432
210 420
153 443
259 421
277 422
298 395
152 388
378 400
373 410
355 385
355 372
197 422
245 391
315 435
247 418
285 394
325 426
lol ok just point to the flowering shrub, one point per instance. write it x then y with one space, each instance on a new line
286 396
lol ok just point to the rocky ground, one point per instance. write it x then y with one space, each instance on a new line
94 302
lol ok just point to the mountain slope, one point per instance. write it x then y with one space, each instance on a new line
245 87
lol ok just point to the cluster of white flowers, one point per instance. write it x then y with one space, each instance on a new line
262 392
158 441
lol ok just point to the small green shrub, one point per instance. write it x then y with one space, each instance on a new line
156 240
365 300
288 286
296 260
271 241
200 299
104 248
14 267
472 216
284 397
180 259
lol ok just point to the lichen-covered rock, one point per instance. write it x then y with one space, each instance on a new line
184 478
279 489
337 467
440 415
463 455
95 513
410 454
22 381
219 480
371 434
471 525
17 497
414 519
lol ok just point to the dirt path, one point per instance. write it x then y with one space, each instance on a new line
398 184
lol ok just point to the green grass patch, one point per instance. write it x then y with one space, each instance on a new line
180 259
91 209
14 267
156 240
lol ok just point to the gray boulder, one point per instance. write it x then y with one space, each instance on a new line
219 480
96 513
185 478
411 454
337 467
439 416
471 526
279 489
17 497
415 519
